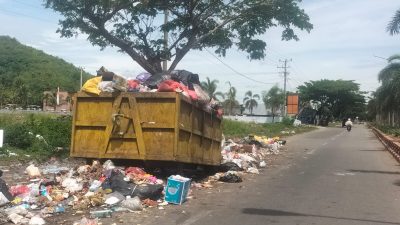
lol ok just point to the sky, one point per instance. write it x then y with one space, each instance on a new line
347 41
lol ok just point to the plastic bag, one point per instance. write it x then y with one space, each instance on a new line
230 178
202 96
229 166
119 83
72 185
108 165
132 204
36 220
5 191
106 86
91 86
142 77
33 171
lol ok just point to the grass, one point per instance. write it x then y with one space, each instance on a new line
233 129
34 135
394 131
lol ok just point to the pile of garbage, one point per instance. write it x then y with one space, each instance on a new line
181 81
99 189
247 155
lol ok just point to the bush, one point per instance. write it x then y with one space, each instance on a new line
287 121
36 133
18 135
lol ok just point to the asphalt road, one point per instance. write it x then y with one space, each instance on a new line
328 177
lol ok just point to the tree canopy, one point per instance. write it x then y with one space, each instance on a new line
386 99
273 99
136 26
210 86
394 25
250 101
25 73
337 98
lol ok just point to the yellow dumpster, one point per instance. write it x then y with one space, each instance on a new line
164 126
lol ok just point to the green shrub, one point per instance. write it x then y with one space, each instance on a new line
18 135
288 121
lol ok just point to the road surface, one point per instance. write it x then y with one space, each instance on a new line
329 176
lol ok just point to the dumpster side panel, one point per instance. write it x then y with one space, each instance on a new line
90 121
157 119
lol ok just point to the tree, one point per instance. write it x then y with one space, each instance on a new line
230 100
50 100
211 88
250 101
273 99
388 94
394 25
337 98
136 28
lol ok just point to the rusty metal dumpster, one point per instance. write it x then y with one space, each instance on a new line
145 126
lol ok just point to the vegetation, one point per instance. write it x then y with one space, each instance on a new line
210 86
394 25
273 99
136 26
336 98
250 101
233 128
230 100
385 102
38 135
25 73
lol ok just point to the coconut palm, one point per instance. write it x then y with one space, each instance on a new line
250 101
210 86
273 99
394 25
230 99
50 100
388 94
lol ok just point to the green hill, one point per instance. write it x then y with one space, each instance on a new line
25 73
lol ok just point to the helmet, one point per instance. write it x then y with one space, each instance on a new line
348 119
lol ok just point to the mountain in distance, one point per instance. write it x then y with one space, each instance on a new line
25 73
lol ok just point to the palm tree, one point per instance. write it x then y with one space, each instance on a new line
210 86
388 94
250 101
50 100
273 99
230 100
394 25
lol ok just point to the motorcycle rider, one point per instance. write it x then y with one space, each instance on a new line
349 124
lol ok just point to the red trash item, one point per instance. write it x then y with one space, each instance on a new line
19 189
134 170
133 84
169 86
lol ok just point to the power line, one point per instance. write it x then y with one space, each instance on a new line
231 68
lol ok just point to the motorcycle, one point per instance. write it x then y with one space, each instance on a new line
348 127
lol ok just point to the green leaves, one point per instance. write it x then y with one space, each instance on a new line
339 98
25 73
136 27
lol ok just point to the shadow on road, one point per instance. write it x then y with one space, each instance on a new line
274 212
372 150
397 183
375 171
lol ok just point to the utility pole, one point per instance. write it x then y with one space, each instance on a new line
165 65
81 76
285 74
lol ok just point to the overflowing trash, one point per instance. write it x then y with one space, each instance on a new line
181 81
101 189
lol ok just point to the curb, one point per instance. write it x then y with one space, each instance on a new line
392 146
